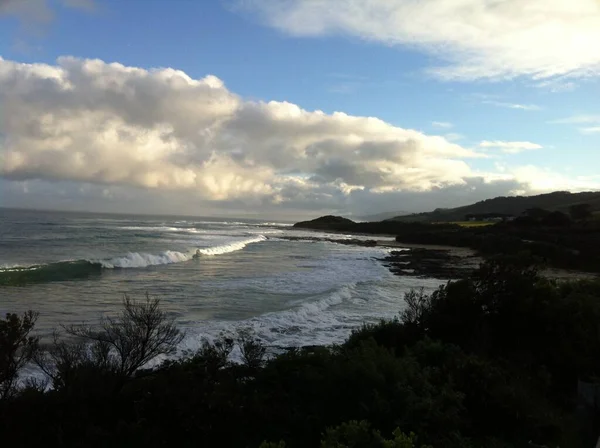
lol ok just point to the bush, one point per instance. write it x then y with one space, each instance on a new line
117 350
17 348
359 435
489 361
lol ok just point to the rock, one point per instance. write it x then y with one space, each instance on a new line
420 262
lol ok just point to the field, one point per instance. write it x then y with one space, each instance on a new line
470 223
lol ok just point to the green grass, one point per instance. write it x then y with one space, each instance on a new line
469 223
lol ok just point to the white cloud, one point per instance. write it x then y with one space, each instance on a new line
590 130
517 106
88 121
578 119
441 124
453 136
345 87
541 180
510 147
494 39
92 135
593 120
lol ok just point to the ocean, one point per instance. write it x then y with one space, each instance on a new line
76 267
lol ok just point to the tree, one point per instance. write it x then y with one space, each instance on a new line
580 212
119 348
253 352
356 434
556 219
536 213
17 348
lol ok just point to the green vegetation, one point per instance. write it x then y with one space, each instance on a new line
548 238
489 361
472 223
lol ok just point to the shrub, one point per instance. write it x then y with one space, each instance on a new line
17 348
117 350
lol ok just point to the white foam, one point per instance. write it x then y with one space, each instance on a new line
231 247
226 223
142 260
163 229
275 224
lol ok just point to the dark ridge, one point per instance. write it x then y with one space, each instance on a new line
508 206
326 222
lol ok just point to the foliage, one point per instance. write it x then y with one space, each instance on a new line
580 212
17 348
359 435
280 444
253 352
550 237
117 350
489 361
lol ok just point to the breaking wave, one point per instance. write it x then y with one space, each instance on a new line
231 247
142 260
80 269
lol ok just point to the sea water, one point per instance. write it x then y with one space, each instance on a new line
75 267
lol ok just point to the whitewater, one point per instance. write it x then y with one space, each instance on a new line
212 276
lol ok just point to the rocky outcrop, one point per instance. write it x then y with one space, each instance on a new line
430 263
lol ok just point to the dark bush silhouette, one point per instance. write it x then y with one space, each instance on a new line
489 361
253 352
580 212
17 348
556 219
117 350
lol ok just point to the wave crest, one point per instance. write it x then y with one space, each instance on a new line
78 269
231 247
142 260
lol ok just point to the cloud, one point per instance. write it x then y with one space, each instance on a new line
590 130
345 87
544 180
88 5
39 10
577 119
559 84
453 136
476 39
94 135
593 120
89 121
35 10
510 147
441 124
517 106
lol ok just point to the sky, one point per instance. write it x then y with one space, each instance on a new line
295 108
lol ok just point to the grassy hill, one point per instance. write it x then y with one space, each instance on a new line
515 205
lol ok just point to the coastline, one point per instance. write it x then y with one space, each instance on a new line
431 260
468 258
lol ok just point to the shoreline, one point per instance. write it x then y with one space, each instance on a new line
432 260
465 256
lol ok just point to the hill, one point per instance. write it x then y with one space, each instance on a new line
512 205
382 216
326 223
